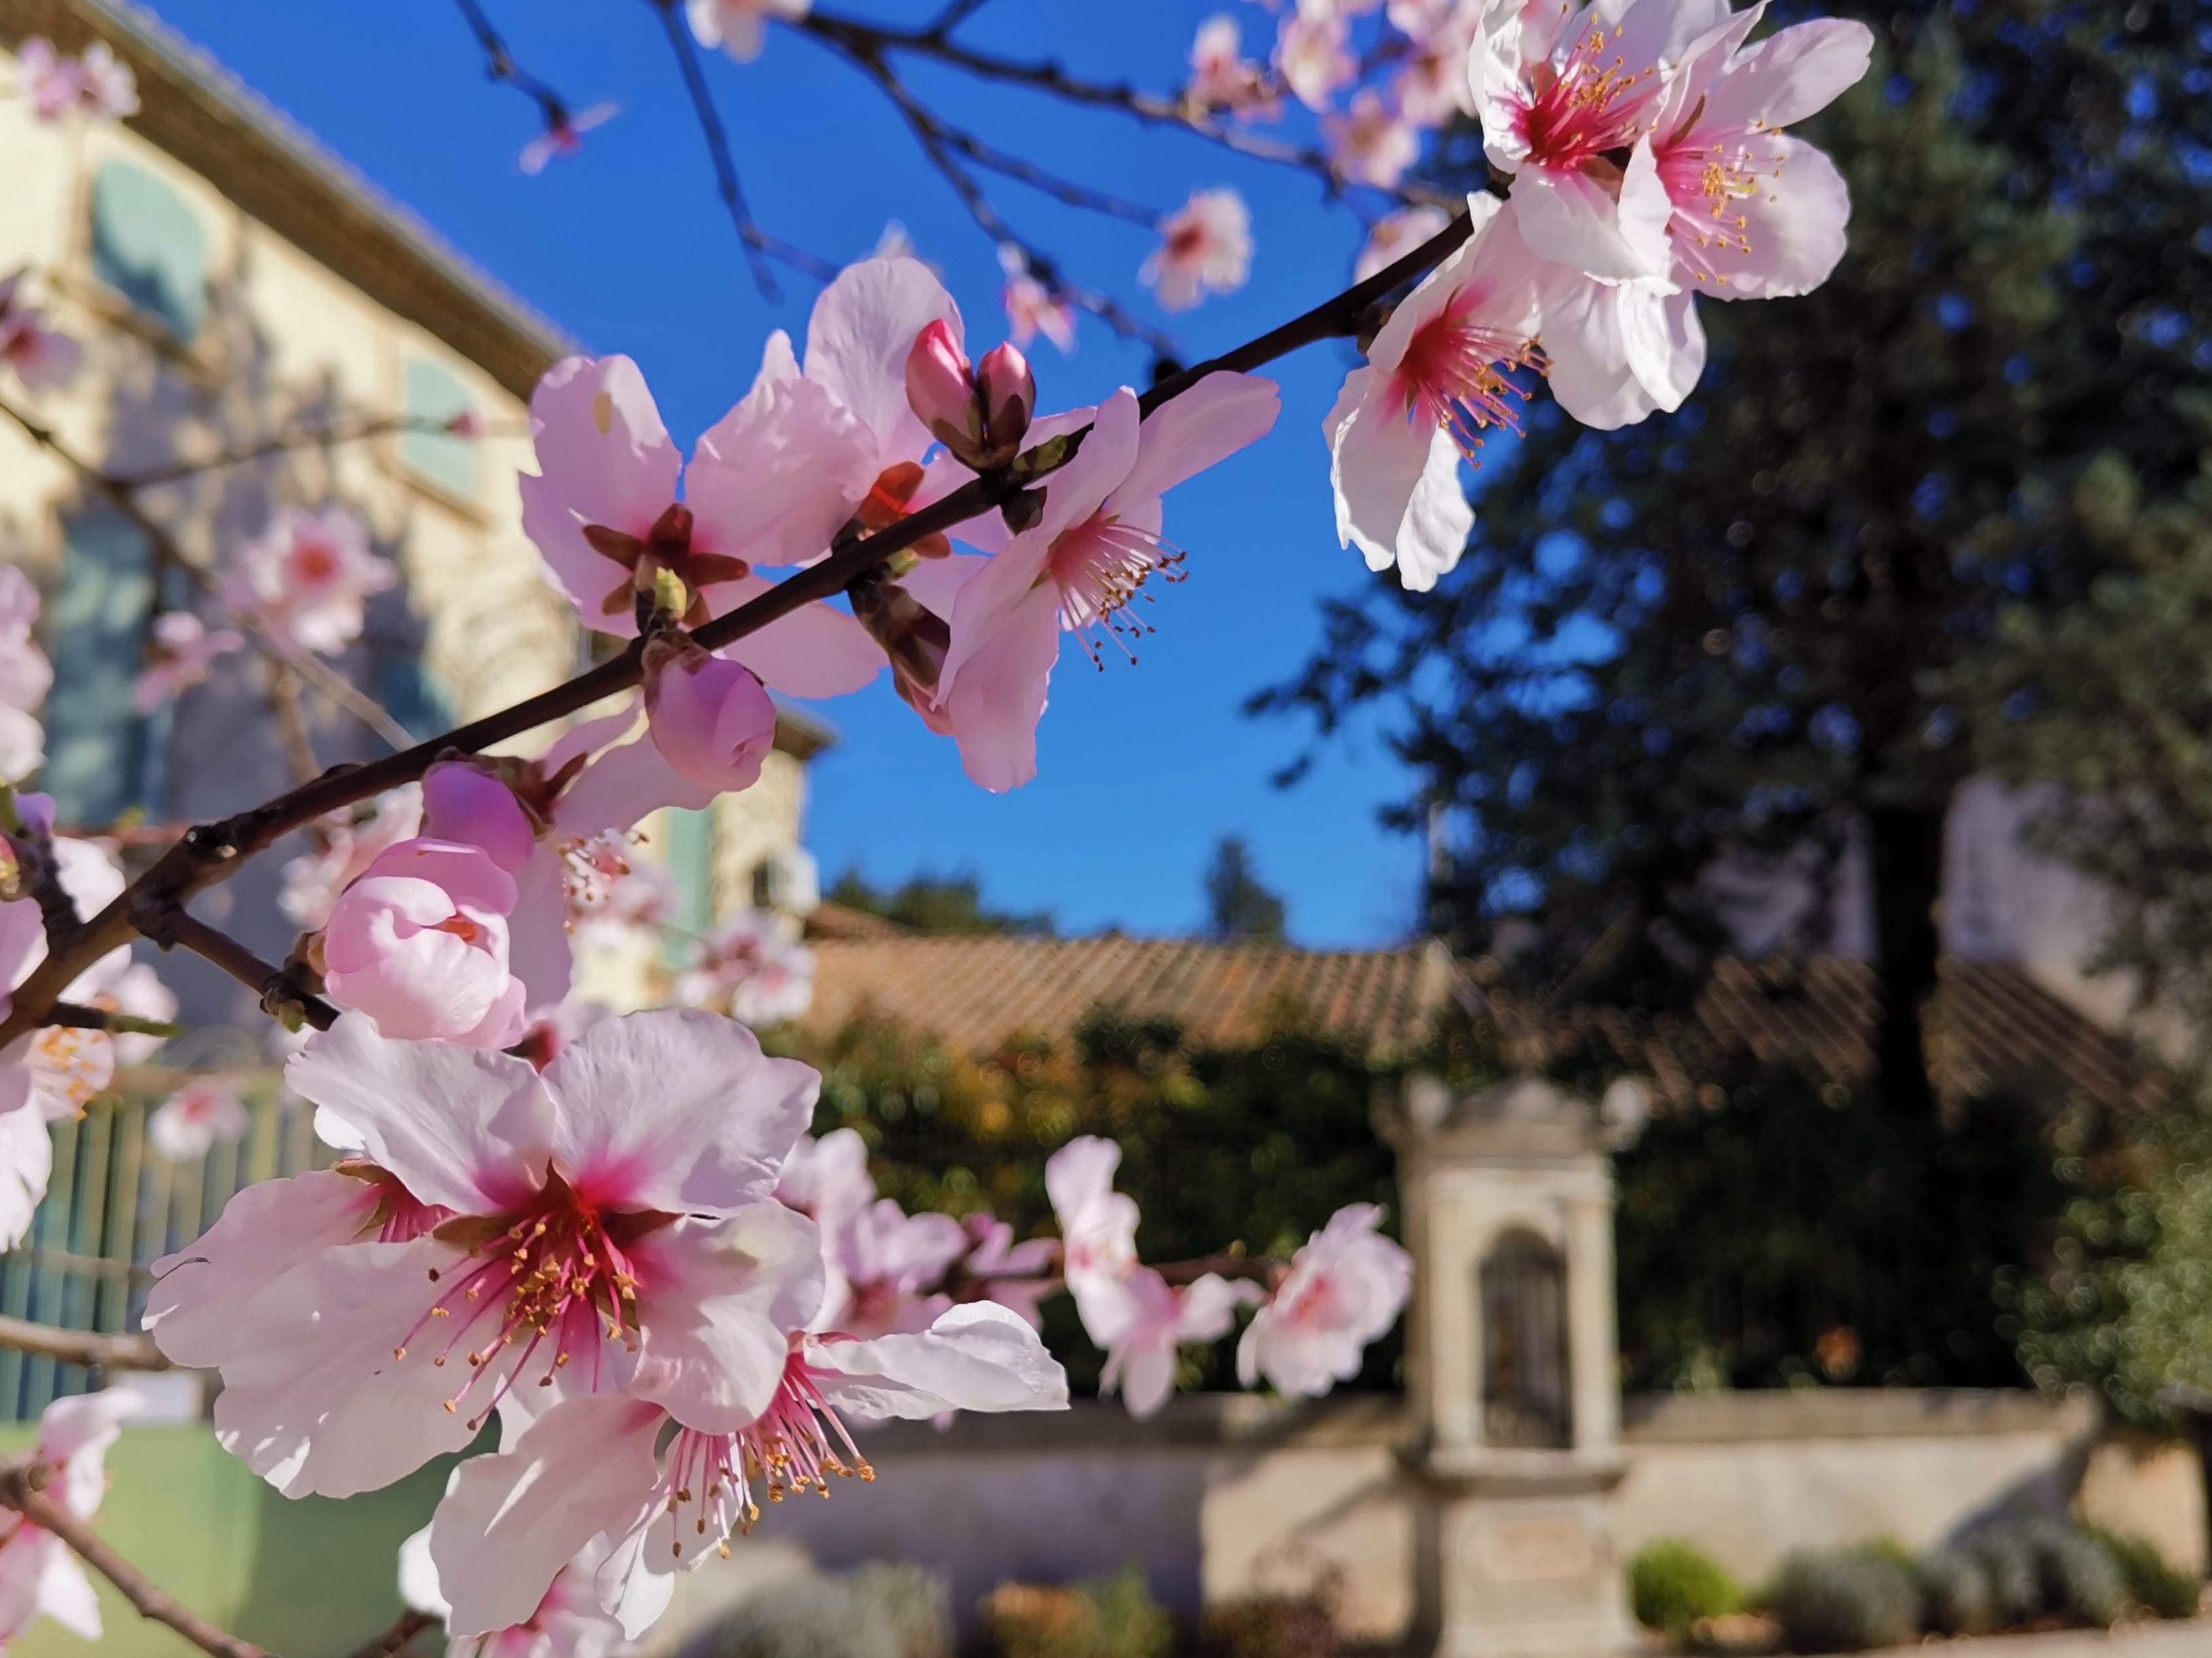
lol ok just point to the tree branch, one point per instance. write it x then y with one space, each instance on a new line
499 65
324 678
74 1016
93 1352
22 1488
210 853
404 1628
757 242
170 925
373 426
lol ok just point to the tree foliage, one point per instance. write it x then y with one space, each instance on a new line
929 902
1237 906
1802 610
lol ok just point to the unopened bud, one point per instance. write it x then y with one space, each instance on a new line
1008 389
915 637
1023 510
941 388
711 719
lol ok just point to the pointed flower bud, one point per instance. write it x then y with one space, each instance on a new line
1008 390
940 387
712 721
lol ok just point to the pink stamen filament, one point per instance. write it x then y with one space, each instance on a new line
1100 568
1583 108
1450 375
797 1446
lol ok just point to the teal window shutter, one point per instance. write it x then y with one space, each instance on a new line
95 739
691 854
448 461
147 246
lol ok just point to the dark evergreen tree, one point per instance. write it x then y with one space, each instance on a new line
1808 605
1236 905
929 902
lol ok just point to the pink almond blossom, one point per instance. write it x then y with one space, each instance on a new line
25 676
305 579
1222 77
39 1577
1148 1320
891 1265
1431 89
1395 236
827 1180
41 355
1751 213
205 1112
563 136
605 1468
1565 94
1313 59
1436 379
1372 143
183 650
419 944
1097 1225
750 970
1031 307
738 27
584 1243
107 90
711 719
51 82
569 1622
1205 247
1017 1276
1082 565
1345 1288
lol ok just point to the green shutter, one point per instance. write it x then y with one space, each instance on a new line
446 460
95 739
691 854
148 246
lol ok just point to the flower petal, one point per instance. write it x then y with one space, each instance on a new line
676 1110
979 1356
817 651
1793 73
718 1304
1219 415
857 340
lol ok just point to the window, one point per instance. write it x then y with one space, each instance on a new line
96 748
147 246
1524 1344
440 457
691 854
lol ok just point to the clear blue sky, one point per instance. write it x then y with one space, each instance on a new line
1144 767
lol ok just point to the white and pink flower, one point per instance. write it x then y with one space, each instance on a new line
1313 57
350 840
563 136
1031 307
1370 143
41 355
207 1111
39 1577
1080 566
182 650
606 1468
306 579
1205 247
739 27
750 970
97 85
569 1622
1223 78
1395 236
1345 1290
1148 1320
1436 376
25 676
583 1242
1097 1225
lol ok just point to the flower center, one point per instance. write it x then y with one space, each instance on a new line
1577 111
78 1064
1100 568
315 563
1452 373
555 1274
1707 184
797 1446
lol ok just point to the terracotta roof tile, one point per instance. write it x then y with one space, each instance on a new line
976 992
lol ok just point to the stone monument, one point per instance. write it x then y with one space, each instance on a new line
1512 1370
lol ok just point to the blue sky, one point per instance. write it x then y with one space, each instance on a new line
1143 767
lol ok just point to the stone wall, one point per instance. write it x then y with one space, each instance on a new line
1231 1495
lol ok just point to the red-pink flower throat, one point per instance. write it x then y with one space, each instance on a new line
1450 374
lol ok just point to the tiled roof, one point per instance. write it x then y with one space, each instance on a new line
1992 1028
976 992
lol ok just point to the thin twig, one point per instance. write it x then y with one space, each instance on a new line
93 1352
172 926
22 1488
210 853
325 679
404 1628
75 1016
292 722
499 65
374 425
718 147
953 15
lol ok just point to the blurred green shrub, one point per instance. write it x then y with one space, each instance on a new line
1673 1584
2164 1590
1845 1601
1109 1618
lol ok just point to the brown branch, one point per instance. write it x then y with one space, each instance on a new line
94 1351
22 1488
292 722
1267 1274
210 853
499 66
37 872
404 1628
325 679
170 927
755 241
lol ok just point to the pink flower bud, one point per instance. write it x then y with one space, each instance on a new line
711 719
462 802
419 944
1008 389
940 387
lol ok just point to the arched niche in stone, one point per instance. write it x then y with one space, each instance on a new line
1527 1390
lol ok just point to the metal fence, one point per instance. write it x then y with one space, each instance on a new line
113 1206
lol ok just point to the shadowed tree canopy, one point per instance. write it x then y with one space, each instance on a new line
929 902
1236 905
1798 613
